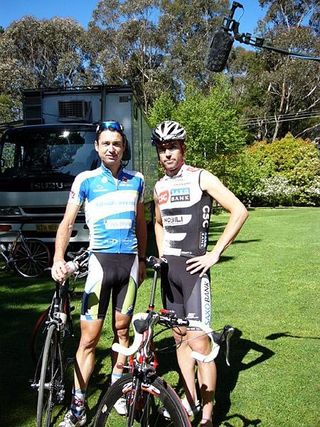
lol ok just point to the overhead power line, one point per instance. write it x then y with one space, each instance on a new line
303 115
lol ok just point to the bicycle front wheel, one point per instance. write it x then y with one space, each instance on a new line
38 336
31 257
149 406
51 384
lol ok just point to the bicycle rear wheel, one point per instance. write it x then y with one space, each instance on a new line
3 264
51 385
31 258
145 405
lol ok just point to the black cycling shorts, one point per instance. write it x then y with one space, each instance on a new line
187 294
115 274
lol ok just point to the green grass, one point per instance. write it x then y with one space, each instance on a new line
266 285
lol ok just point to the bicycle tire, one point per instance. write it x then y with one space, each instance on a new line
37 336
148 405
31 258
51 383
4 267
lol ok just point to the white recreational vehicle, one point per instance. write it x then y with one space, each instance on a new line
39 160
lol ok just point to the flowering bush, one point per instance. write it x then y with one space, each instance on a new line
285 172
275 191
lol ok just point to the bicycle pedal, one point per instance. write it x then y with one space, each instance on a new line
164 413
33 385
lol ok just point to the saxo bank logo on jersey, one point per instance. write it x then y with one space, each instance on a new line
180 194
205 300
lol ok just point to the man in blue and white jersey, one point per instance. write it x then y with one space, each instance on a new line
114 211
183 201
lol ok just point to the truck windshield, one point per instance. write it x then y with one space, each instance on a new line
45 152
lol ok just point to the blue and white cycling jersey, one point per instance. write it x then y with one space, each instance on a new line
110 207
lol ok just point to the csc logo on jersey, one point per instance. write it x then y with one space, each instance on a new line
205 216
163 197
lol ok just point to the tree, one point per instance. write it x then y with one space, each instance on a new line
211 122
9 110
129 47
281 94
42 53
292 13
188 26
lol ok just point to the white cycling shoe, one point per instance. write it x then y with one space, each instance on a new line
191 410
121 406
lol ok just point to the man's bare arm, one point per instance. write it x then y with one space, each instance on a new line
158 227
141 232
64 231
238 215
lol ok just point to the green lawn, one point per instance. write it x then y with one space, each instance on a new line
266 286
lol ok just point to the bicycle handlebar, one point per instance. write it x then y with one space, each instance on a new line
143 321
155 263
138 337
215 346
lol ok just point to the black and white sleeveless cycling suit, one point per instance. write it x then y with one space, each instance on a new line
185 212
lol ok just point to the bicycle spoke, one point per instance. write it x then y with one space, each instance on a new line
31 257
149 406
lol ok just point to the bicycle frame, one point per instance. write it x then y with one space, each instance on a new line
28 257
142 388
7 252
143 324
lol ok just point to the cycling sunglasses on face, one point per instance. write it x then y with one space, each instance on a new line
110 125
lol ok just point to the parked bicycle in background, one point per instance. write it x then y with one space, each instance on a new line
27 256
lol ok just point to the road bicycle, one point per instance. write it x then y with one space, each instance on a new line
150 400
28 257
79 266
49 378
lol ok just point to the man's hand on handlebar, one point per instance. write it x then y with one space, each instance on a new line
59 271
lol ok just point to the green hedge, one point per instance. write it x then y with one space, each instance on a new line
285 172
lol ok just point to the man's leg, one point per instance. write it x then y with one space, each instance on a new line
85 357
187 367
121 324
207 373
84 365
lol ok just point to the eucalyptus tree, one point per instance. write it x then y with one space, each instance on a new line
189 25
280 93
43 53
128 46
38 53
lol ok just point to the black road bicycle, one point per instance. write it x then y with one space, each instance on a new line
52 363
28 257
150 400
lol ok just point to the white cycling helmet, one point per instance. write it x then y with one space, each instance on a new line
168 131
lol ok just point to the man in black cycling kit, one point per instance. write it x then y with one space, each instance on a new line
183 201
114 209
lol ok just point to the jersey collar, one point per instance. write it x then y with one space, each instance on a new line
108 172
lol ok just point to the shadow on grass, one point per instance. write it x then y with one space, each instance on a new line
278 335
228 376
22 301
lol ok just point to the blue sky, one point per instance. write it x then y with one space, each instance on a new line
81 11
